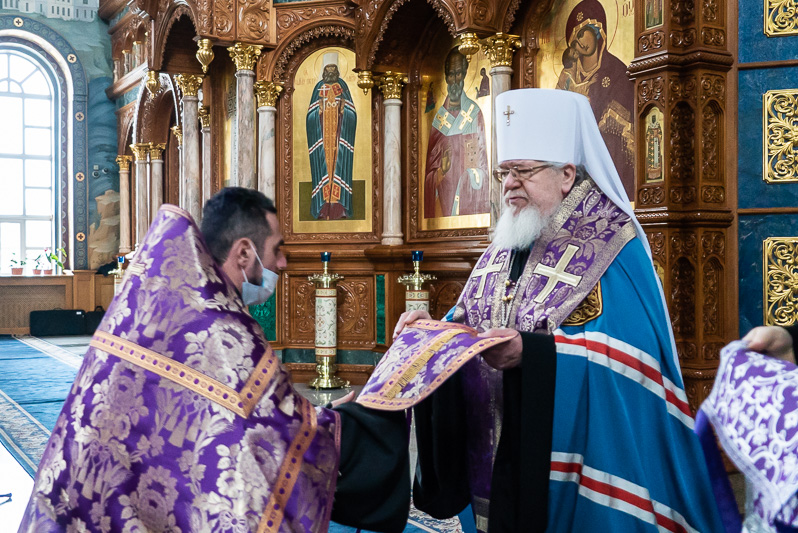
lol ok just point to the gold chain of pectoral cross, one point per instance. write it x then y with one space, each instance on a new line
507 300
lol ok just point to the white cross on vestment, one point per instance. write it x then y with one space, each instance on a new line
507 114
557 274
466 117
483 273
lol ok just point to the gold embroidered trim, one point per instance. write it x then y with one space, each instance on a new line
413 366
289 471
241 403
590 308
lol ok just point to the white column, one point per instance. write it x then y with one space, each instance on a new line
140 151
207 150
124 203
391 87
156 178
267 93
189 86
245 57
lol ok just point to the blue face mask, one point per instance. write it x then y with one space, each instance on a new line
257 294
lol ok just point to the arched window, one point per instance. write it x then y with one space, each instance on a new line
28 160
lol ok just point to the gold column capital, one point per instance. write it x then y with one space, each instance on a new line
245 55
178 132
204 113
153 82
267 92
204 53
140 150
189 84
124 162
390 83
500 47
469 44
156 150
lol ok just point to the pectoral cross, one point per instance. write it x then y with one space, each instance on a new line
483 273
507 114
557 274
466 117
442 119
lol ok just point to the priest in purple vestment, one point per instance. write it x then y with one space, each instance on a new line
579 420
182 418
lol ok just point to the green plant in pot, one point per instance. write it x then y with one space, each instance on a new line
55 259
17 265
41 260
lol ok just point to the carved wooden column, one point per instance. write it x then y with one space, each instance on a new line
181 190
189 86
244 56
499 49
207 149
680 71
391 86
156 178
124 202
140 152
267 93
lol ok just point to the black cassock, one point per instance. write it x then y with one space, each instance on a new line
373 490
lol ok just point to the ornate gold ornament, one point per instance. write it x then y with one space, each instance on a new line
156 151
500 47
189 84
244 55
72 58
780 136
590 308
267 92
153 83
364 80
469 44
204 113
205 53
18 22
80 176
780 269
140 151
124 162
391 84
79 116
80 237
780 18
178 132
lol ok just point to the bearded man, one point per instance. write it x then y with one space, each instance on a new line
580 421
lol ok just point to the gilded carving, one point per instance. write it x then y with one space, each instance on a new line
652 195
780 268
267 93
391 84
500 47
140 151
780 149
204 53
780 18
712 312
254 17
650 41
244 55
178 133
590 308
683 39
683 298
204 114
650 91
124 162
713 194
189 84
713 37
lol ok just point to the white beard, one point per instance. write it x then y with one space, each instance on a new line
519 231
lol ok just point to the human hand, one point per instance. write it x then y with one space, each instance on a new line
507 354
345 399
406 318
771 340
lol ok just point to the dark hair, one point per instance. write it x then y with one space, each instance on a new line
454 52
234 213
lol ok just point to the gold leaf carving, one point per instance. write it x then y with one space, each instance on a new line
780 280
780 18
780 136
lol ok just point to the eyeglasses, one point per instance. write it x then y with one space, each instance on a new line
521 174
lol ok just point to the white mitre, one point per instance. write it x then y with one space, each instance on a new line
558 126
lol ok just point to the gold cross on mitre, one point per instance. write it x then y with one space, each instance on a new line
442 119
466 117
508 113
557 274
483 274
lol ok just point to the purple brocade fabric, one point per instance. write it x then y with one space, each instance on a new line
425 354
753 408
181 417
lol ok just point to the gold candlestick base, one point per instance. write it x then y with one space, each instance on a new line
325 375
